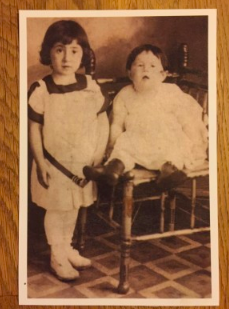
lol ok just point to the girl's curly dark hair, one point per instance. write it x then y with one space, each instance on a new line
65 31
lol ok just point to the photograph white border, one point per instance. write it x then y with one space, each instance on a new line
23 215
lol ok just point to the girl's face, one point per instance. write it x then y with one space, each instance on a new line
66 59
146 72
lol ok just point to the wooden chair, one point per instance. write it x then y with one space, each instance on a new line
131 180
139 176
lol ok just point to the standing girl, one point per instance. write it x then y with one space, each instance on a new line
67 130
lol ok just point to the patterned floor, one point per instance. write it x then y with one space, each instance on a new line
174 267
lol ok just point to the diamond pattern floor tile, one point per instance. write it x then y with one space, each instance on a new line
88 275
102 289
94 248
42 283
173 242
142 277
67 293
170 292
172 266
199 256
110 262
203 238
200 282
145 252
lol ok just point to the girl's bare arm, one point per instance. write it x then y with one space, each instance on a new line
36 144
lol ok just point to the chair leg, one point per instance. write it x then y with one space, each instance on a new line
126 237
162 218
111 209
82 227
193 203
172 203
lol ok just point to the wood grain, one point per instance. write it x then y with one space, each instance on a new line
9 129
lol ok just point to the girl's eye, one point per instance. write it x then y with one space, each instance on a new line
140 65
59 50
152 65
74 51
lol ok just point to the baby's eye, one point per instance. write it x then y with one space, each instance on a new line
140 65
152 65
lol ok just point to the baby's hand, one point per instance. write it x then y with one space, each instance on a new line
43 175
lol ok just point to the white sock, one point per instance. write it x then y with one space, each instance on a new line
54 227
70 220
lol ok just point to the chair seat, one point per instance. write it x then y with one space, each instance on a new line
141 175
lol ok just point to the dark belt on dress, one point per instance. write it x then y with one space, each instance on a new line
77 180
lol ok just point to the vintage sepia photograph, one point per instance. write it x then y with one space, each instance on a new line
118 177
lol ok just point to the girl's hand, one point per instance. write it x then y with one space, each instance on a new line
43 175
108 152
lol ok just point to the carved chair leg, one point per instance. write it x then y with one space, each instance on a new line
126 237
193 203
82 227
172 204
111 209
162 218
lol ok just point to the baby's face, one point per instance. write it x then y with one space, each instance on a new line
146 71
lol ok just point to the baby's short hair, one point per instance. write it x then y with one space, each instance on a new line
146 47
64 31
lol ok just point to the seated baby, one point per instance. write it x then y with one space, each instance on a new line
154 124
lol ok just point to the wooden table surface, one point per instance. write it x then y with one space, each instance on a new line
9 128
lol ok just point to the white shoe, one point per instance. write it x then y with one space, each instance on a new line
61 267
76 259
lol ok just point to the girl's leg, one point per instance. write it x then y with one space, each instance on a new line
69 224
70 219
54 229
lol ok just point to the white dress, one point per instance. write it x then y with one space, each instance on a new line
70 134
165 127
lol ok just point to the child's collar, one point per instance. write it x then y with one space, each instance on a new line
80 84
